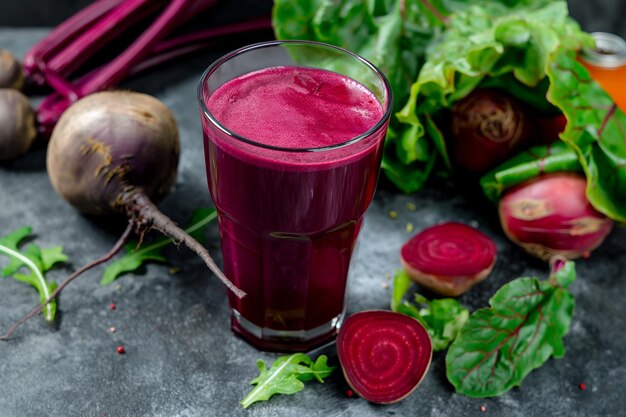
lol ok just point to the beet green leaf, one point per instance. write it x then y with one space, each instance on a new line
443 318
556 157
596 129
434 53
523 328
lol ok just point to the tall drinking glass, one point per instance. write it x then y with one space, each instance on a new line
293 136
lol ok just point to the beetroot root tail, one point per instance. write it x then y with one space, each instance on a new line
144 212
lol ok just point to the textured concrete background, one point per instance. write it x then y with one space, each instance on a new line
597 15
182 359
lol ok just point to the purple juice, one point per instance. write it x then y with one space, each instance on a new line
290 197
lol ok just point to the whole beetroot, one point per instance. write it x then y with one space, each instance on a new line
111 148
116 153
11 75
18 124
487 127
550 215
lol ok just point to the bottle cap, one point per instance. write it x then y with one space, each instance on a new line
610 51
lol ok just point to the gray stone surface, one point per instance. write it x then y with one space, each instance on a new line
182 360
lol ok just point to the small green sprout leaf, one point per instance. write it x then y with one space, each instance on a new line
135 257
443 318
286 376
38 260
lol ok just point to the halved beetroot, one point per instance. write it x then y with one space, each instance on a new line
449 258
384 355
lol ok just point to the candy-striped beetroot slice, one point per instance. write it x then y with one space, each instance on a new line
384 355
449 258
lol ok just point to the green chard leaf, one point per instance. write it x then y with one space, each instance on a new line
435 53
135 257
489 45
286 376
593 141
556 157
38 260
595 129
442 318
394 35
524 326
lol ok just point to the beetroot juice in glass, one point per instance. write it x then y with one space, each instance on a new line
293 137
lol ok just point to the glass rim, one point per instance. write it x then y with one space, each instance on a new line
207 73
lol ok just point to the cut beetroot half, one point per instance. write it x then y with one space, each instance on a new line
384 355
449 258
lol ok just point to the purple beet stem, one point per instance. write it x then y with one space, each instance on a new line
62 35
55 104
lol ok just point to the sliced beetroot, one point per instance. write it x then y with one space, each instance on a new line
449 258
550 215
384 355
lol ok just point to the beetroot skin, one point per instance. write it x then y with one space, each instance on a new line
116 153
384 355
487 127
550 215
11 75
17 121
110 144
449 258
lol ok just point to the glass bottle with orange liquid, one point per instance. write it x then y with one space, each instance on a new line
607 65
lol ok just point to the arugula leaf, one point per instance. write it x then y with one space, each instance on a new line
38 260
44 258
595 129
442 318
52 256
524 326
401 285
12 241
134 258
319 370
286 376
